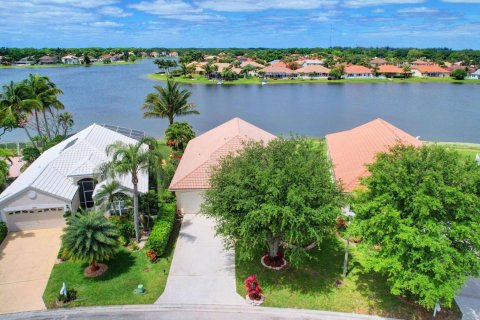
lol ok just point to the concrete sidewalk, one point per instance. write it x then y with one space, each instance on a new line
202 272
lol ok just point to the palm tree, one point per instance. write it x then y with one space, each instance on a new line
168 102
186 69
131 159
179 134
407 70
45 93
65 120
15 102
91 237
107 193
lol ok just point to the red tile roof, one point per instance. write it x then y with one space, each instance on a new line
389 69
351 150
357 70
430 69
208 149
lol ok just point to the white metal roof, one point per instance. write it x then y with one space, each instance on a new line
80 155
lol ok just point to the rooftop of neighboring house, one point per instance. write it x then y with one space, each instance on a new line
251 63
430 69
388 68
313 69
354 69
377 60
351 150
277 68
208 149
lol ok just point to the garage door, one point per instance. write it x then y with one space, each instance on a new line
35 219
191 201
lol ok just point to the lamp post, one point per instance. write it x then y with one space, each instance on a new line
348 214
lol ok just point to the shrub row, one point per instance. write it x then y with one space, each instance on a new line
3 231
162 228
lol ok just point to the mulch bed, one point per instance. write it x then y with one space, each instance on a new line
276 263
102 268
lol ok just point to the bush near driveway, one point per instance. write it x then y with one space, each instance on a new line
3 231
162 229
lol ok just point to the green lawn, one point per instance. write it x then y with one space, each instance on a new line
115 287
469 150
312 286
196 79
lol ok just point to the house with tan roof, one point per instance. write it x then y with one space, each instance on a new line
390 71
355 71
378 62
251 63
430 71
313 71
311 62
351 150
192 176
70 59
277 71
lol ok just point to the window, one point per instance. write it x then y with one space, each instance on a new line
86 187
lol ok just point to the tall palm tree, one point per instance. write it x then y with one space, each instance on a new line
45 93
107 193
16 103
131 159
168 102
407 70
91 237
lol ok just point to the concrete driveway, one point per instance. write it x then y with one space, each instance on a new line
202 271
26 260
469 300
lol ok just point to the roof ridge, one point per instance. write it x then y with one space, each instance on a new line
206 160
387 125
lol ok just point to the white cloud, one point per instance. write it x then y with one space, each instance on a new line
113 12
261 5
371 3
75 3
109 24
417 10
163 7
379 10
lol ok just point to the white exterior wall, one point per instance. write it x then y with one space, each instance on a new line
189 201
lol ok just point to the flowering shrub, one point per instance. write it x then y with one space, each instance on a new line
253 288
152 255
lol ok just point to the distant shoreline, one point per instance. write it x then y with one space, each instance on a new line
257 81
60 65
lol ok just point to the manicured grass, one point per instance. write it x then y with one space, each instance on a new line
126 271
254 80
60 65
312 286
165 150
469 150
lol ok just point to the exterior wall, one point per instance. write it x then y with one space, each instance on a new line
189 201
416 73
359 75
75 202
23 200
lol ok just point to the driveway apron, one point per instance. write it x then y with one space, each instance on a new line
202 271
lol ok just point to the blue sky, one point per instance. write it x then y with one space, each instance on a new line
234 23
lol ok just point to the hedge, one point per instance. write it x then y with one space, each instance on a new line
3 231
162 228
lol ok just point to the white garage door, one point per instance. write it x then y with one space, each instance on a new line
35 219
190 201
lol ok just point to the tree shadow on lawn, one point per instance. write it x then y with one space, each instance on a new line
118 265
318 274
374 286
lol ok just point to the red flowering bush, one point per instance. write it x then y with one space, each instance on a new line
253 287
152 255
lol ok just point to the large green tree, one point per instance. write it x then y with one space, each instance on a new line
3 174
420 223
90 237
168 102
276 194
131 159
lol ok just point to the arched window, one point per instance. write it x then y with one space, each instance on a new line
86 187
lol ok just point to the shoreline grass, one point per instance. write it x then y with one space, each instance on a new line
257 81
60 65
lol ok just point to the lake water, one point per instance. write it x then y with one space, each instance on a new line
113 95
